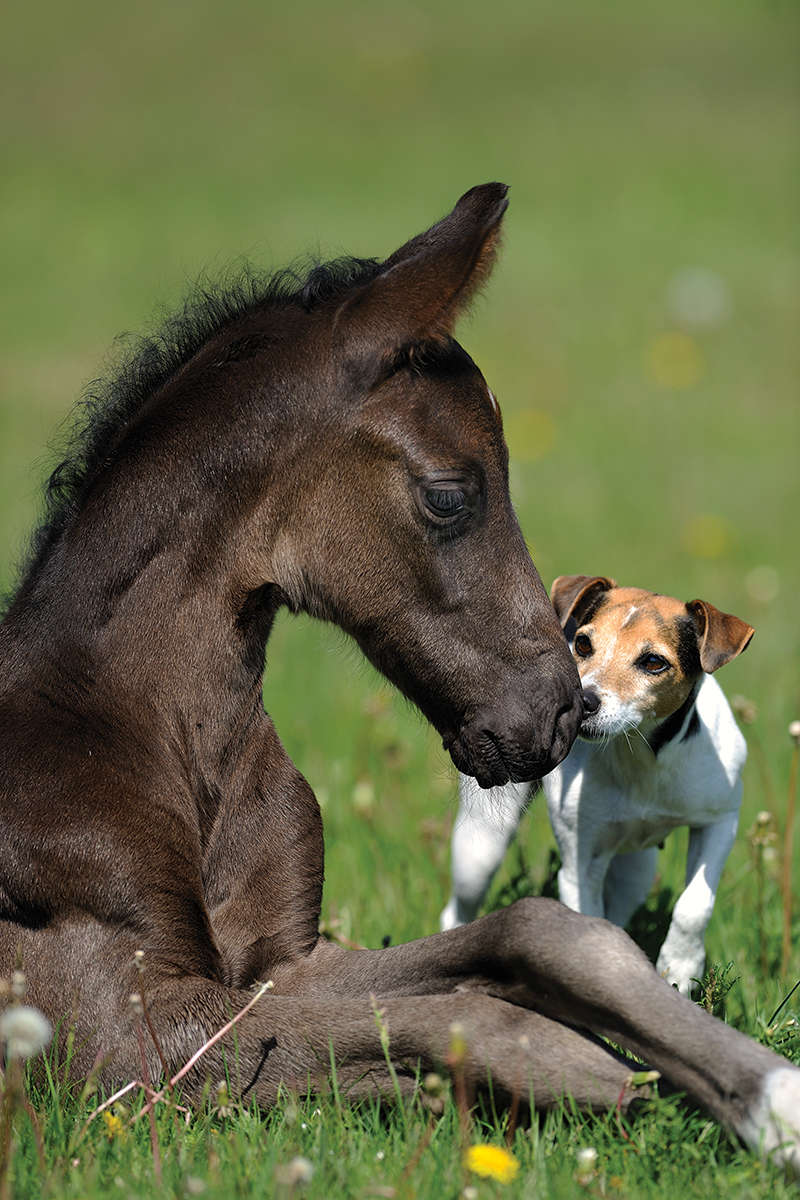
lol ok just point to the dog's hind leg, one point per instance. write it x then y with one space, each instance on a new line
627 883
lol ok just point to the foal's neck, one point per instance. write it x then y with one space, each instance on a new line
132 627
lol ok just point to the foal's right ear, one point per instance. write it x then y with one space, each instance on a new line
425 285
575 596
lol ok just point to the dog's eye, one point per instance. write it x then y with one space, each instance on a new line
654 664
583 645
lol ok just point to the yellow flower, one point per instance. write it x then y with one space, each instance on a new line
115 1126
492 1162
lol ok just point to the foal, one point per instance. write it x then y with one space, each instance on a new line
329 447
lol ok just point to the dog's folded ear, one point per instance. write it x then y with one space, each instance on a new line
720 636
574 597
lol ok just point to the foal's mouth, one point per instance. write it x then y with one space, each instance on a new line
484 756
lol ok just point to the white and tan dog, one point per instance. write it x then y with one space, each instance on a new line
658 748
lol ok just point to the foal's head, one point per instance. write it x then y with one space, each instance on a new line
332 448
401 529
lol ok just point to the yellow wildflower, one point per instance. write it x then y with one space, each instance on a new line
492 1162
115 1126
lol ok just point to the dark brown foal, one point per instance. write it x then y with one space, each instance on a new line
327 446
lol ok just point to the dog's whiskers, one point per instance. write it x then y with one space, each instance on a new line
641 735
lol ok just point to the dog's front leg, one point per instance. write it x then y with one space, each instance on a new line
581 879
485 825
683 954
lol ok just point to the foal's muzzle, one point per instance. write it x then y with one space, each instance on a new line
515 742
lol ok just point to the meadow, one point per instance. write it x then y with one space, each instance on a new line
640 334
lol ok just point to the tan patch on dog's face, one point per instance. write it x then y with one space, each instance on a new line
640 649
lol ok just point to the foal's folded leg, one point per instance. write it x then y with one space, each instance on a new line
584 971
295 1043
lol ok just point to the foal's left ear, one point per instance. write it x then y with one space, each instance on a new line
720 637
426 284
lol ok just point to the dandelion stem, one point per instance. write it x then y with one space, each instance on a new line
785 999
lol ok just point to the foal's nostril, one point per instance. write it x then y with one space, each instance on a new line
591 703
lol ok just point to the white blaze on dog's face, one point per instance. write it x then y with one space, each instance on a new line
638 658
639 654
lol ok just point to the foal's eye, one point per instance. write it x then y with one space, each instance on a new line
654 664
445 501
583 645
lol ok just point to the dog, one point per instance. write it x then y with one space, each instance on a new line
658 748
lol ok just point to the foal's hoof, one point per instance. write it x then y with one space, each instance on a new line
773 1128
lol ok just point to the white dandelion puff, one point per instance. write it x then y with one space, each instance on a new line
24 1031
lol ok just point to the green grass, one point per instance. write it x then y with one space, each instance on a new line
363 1152
141 144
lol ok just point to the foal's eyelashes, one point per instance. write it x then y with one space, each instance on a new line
445 501
448 502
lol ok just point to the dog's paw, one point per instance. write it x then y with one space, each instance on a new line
773 1124
681 973
454 915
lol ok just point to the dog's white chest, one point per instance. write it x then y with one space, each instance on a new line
621 797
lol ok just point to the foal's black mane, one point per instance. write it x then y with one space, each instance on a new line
146 363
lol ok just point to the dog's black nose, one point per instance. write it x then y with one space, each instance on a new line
591 703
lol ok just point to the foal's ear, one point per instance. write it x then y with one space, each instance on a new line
426 284
720 637
575 596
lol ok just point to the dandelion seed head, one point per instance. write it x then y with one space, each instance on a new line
434 1092
224 1106
24 1031
744 709
297 1170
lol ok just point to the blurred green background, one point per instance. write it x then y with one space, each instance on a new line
641 332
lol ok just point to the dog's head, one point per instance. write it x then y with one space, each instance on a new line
639 655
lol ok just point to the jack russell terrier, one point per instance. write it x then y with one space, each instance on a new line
658 748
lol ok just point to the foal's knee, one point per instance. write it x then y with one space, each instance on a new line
549 934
